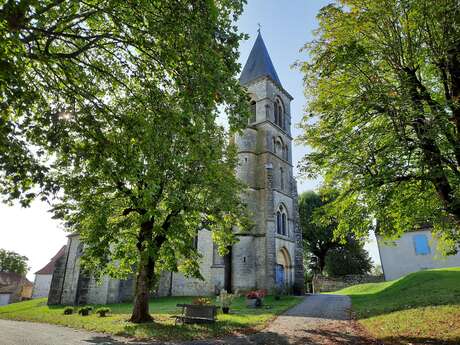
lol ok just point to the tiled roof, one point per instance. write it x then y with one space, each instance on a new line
49 268
259 64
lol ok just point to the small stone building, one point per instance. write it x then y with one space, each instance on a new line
413 251
271 254
43 276
14 288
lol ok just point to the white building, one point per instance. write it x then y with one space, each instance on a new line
43 277
414 251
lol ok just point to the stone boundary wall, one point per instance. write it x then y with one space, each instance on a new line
329 284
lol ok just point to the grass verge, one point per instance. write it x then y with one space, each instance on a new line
240 320
420 308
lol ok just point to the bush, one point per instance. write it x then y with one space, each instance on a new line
201 301
256 295
103 311
225 299
68 310
84 311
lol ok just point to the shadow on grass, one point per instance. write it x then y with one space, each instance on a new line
321 336
421 289
419 341
184 332
262 338
108 340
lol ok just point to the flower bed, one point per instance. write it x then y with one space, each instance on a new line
254 298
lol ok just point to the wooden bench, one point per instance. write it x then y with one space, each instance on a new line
196 313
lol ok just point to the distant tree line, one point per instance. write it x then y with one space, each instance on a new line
13 262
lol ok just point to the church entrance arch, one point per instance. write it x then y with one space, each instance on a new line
283 272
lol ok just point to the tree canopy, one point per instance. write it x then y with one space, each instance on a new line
383 116
13 262
111 107
325 251
62 57
350 258
318 239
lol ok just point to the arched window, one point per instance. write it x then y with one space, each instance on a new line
283 225
282 178
276 113
253 112
279 113
278 222
281 221
279 146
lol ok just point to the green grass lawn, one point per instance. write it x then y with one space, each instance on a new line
240 320
420 308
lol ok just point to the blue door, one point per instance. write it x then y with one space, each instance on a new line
279 275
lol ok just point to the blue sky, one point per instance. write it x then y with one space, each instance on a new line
286 27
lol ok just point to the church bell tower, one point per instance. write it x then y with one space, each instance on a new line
271 254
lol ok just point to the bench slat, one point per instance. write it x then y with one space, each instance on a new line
196 313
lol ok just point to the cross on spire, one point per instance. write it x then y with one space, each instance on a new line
258 64
260 26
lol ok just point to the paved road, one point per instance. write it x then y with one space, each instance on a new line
317 320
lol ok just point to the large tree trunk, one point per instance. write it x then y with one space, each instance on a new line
141 300
145 275
321 262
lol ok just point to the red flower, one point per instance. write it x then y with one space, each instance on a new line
256 294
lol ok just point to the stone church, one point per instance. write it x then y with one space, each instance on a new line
271 254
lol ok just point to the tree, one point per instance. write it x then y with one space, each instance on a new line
138 196
13 262
384 117
325 251
350 258
111 108
61 57
318 239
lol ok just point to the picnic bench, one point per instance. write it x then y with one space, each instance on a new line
196 313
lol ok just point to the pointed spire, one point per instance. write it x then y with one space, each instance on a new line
259 63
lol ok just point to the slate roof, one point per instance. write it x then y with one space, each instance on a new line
49 268
259 64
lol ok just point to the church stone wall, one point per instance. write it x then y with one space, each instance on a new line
243 263
54 296
72 272
183 286
67 280
97 292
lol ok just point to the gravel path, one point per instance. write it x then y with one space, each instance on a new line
317 320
